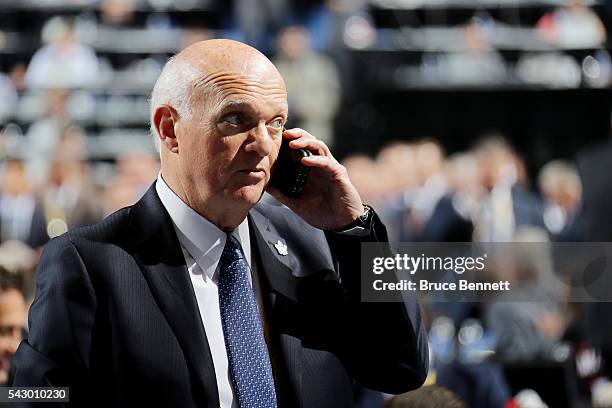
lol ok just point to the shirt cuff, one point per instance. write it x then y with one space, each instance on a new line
355 231
362 226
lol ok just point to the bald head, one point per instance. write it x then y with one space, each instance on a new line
214 56
203 65
218 108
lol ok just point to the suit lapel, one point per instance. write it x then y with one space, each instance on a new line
276 267
163 266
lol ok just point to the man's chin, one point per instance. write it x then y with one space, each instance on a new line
250 195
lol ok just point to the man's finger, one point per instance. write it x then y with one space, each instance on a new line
297 133
323 162
314 145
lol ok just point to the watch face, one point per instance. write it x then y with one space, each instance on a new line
365 217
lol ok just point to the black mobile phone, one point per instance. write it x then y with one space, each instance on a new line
289 175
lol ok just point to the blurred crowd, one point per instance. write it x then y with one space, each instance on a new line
485 351
71 112
482 194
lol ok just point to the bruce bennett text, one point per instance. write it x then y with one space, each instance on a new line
423 285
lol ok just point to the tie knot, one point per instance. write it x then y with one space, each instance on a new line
232 251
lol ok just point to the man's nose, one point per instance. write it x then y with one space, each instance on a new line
260 141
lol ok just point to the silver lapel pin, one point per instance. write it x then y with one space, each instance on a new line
281 248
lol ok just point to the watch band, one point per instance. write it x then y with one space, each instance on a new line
362 225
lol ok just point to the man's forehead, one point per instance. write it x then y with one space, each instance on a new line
244 64
267 79
239 90
234 74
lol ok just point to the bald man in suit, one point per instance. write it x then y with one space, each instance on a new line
201 296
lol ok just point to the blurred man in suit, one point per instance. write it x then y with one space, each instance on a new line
17 263
508 205
22 215
561 189
13 312
198 296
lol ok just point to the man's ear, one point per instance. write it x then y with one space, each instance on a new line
164 119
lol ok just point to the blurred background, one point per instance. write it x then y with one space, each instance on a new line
458 120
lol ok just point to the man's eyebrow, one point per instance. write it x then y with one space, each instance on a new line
284 111
245 105
235 104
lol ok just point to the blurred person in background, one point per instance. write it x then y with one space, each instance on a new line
561 189
479 62
412 183
531 328
334 31
463 175
17 74
136 170
452 216
63 62
453 219
364 174
480 385
316 16
312 80
71 198
459 357
574 25
44 135
256 22
116 13
552 69
433 187
118 194
115 20
17 263
397 162
396 177
22 216
8 96
508 205
139 168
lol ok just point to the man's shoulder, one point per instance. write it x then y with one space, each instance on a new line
112 229
129 225
94 244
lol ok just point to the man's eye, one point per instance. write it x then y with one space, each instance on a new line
234 119
277 124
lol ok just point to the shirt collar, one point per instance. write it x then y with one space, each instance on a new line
201 238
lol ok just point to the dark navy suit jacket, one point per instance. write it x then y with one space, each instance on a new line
115 316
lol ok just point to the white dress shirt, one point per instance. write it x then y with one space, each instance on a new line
202 244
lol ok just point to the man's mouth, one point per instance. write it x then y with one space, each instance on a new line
254 172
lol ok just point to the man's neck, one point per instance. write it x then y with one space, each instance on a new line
218 213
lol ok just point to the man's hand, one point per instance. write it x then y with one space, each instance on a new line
329 201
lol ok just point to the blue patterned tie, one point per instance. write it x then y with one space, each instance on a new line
247 353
